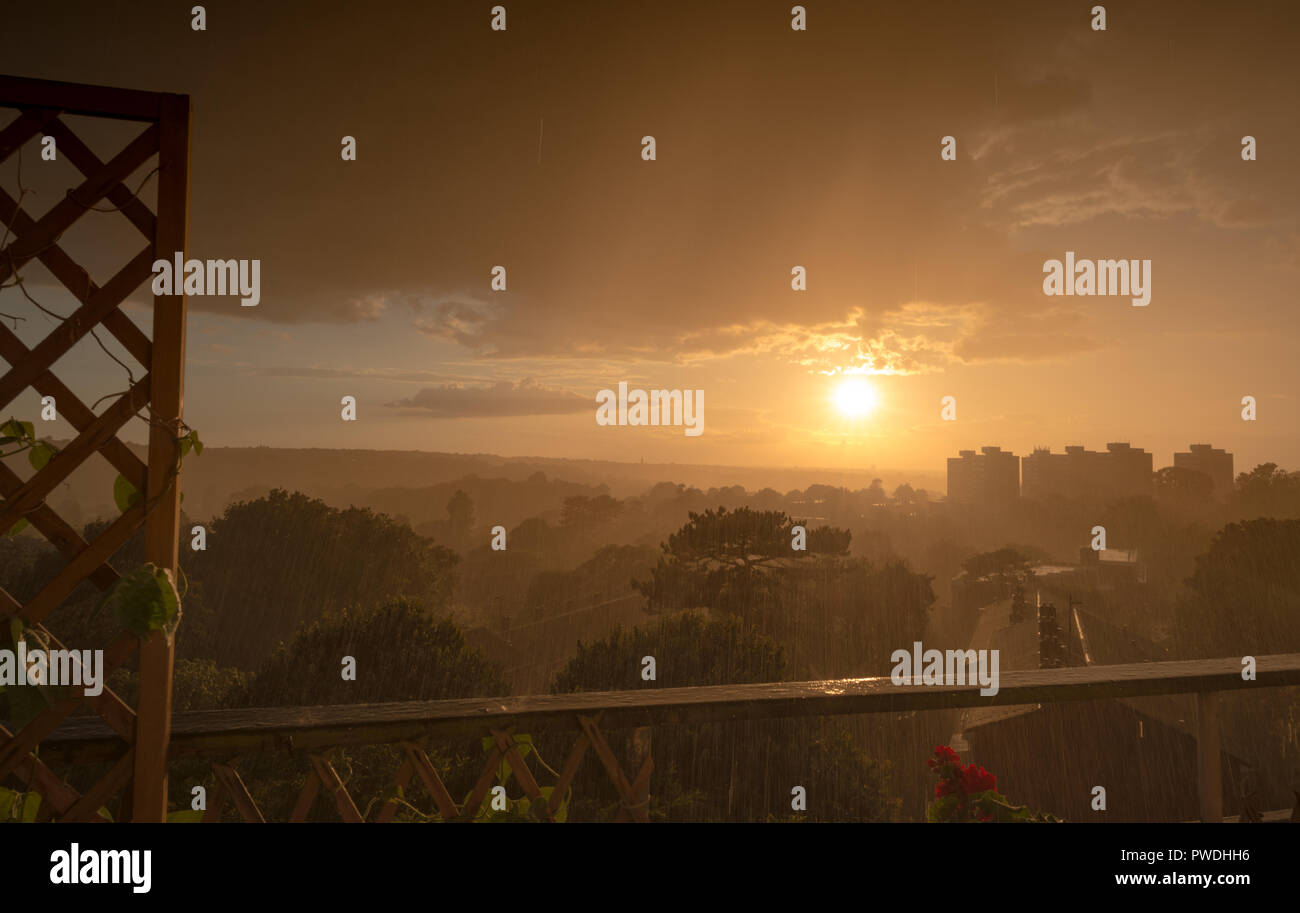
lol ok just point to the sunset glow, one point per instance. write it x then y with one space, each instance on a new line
855 398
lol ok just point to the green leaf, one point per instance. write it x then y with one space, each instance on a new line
125 495
185 816
18 431
146 600
31 804
7 799
40 455
191 442
942 809
17 527
19 806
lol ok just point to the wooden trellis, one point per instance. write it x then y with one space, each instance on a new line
634 796
141 760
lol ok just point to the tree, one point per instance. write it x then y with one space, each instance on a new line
714 560
876 493
1004 560
401 654
726 771
586 512
768 499
1267 491
277 562
742 540
460 514
696 650
603 578
825 607
1243 597
1177 483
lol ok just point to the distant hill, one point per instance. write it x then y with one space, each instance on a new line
375 477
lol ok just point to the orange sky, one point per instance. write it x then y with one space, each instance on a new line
775 148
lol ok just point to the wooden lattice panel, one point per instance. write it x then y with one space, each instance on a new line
156 396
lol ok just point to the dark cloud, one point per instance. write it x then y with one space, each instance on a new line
521 149
498 400
369 374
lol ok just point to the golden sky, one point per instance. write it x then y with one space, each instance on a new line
775 148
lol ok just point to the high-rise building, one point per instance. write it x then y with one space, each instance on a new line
1117 471
991 476
1043 472
1217 464
1127 470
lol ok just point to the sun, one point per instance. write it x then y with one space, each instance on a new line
855 398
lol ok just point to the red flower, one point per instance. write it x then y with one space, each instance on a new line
943 755
961 783
976 781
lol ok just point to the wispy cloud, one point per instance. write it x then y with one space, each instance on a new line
499 400
355 374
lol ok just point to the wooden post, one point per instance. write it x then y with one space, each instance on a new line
1208 767
162 528
642 765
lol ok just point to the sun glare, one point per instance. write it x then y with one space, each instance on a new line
855 398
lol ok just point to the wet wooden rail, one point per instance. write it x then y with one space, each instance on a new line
316 730
309 728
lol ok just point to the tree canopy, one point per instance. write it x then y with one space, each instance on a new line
837 615
731 771
278 561
1244 595
401 654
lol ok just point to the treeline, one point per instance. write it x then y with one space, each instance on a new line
288 585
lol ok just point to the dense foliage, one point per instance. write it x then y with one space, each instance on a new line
289 585
401 654
727 771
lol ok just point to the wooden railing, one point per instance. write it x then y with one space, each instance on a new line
226 734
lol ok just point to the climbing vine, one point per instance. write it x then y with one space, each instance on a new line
20 436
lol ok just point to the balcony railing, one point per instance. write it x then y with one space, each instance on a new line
223 735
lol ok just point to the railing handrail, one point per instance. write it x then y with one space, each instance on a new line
251 730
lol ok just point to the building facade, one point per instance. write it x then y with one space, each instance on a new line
991 476
1119 471
1217 464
